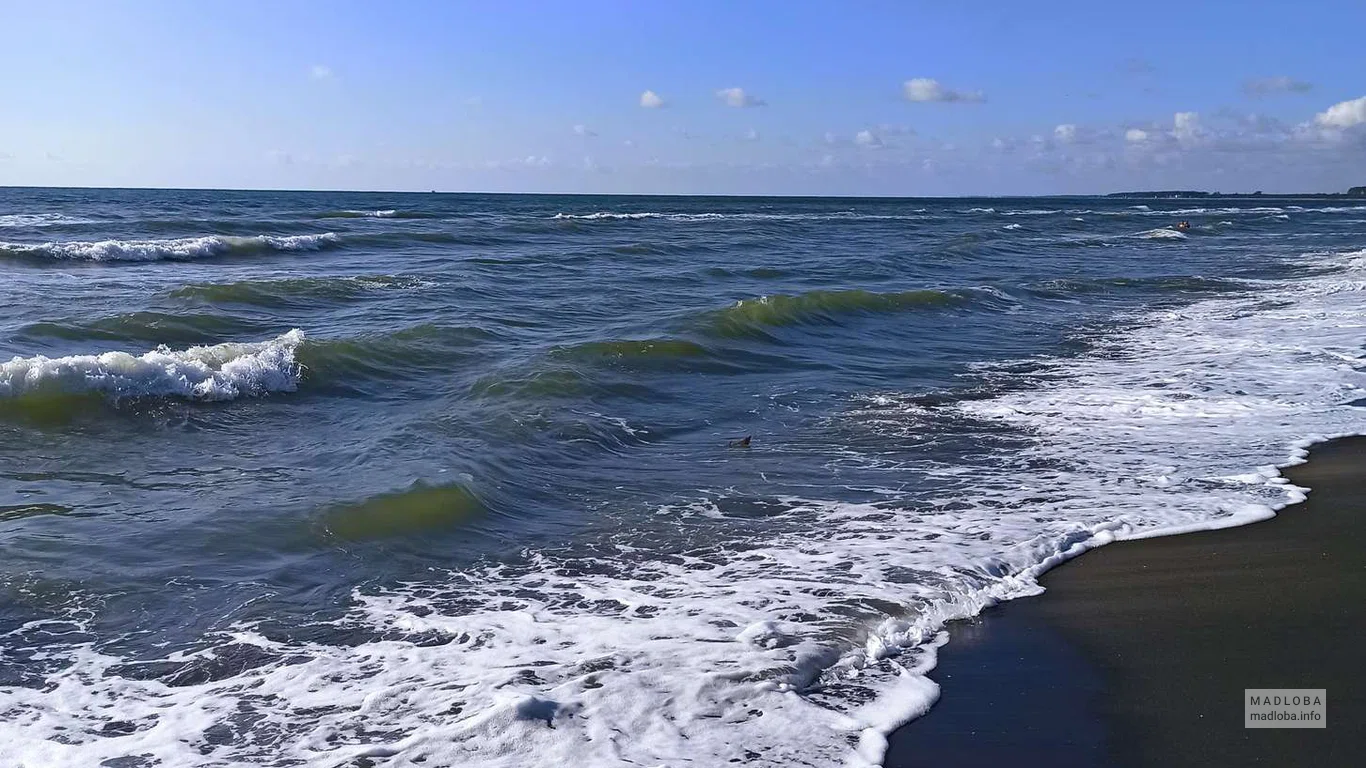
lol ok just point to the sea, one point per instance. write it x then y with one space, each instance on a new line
370 480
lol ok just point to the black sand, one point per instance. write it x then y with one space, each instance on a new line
1139 653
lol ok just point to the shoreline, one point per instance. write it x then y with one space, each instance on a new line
1139 652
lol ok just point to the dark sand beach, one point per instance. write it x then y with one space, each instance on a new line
1139 653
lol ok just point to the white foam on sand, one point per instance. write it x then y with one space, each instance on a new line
803 647
218 372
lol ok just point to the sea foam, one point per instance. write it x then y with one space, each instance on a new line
218 372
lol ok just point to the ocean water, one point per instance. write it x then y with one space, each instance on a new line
324 479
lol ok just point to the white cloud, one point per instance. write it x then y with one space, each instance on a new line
1344 114
751 135
320 72
1066 133
831 138
1186 126
583 130
1136 135
1281 84
868 139
926 89
736 97
651 100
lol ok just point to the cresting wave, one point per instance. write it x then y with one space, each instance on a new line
738 216
39 219
218 372
389 213
285 292
750 315
1162 233
166 250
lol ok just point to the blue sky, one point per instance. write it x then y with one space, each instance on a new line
870 98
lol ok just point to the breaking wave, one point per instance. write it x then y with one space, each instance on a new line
176 249
738 216
1161 233
389 213
218 372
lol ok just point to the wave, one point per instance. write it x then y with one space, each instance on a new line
1161 233
385 356
218 372
156 327
390 213
750 315
420 509
1159 283
176 249
40 219
286 292
631 349
736 216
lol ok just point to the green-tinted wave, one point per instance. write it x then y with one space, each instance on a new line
751 316
387 356
299 290
632 349
420 509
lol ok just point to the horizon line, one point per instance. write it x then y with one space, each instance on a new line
1257 193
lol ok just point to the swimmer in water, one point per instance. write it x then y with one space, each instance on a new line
1182 226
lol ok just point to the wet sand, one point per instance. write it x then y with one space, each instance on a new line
1139 653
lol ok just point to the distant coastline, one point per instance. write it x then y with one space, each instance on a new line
1183 193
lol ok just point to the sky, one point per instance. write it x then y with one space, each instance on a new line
992 97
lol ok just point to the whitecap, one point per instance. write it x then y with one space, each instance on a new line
218 372
167 250
1162 233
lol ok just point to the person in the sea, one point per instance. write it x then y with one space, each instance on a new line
1182 226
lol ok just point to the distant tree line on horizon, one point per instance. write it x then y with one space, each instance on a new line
1175 193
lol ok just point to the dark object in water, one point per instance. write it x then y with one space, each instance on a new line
1182 226
741 442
